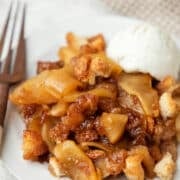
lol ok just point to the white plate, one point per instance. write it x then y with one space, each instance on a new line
47 42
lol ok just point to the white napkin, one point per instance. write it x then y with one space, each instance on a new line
164 13
4 173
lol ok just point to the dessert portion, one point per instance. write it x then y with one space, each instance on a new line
145 48
90 119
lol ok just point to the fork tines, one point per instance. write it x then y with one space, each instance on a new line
5 30
18 71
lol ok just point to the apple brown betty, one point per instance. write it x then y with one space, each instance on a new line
90 120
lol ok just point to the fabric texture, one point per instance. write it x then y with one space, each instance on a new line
165 13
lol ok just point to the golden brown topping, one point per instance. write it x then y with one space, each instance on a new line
33 145
59 133
116 161
86 69
79 45
99 58
94 44
34 116
87 103
97 145
87 49
74 41
169 146
119 122
113 163
165 84
86 135
100 164
165 167
81 67
136 127
133 168
99 67
136 156
158 132
169 129
177 124
84 105
147 160
176 95
150 125
164 131
155 153
94 154
66 53
170 102
47 65
167 105
97 42
29 110
107 105
34 124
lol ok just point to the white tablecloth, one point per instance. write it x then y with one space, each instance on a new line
41 13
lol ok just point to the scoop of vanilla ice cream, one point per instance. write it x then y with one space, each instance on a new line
145 48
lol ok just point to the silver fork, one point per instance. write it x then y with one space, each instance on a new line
18 72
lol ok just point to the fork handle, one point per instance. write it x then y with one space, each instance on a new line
4 91
1 133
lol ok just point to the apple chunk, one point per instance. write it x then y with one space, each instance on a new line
113 125
74 162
